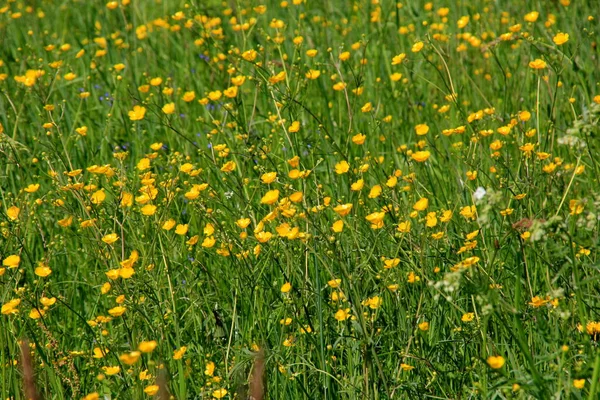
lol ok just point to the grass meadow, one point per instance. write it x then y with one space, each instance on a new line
299 199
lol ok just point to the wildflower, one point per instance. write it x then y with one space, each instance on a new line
342 167
148 209
168 108
417 47
151 390
421 205
43 270
270 197
147 346
560 38
10 307
209 369
130 358
11 261
111 370
117 311
110 238
467 317
13 213
219 393
342 314
344 56
421 129
337 226
295 127
420 156
229 166
532 16
495 362
178 353
469 212
578 383
181 229
137 114
375 192
231 92
32 188
396 60
313 74
286 287
537 64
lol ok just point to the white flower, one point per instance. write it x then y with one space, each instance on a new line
479 193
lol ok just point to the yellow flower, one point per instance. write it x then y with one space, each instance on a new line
579 383
181 229
367 107
286 287
396 60
343 209
375 192
295 127
342 167
467 317
469 212
342 315
359 139
148 209
268 177
229 166
537 64
270 197
169 108
338 226
117 311
10 307
208 242
151 390
532 16
13 213
137 114
344 56
43 270
417 47
111 370
313 74
98 197
421 205
231 92
358 185
243 223
178 353
209 370
421 129
130 358
99 353
560 38
189 96
420 156
219 393
147 346
32 188
110 238
495 362
375 218
11 261
424 326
